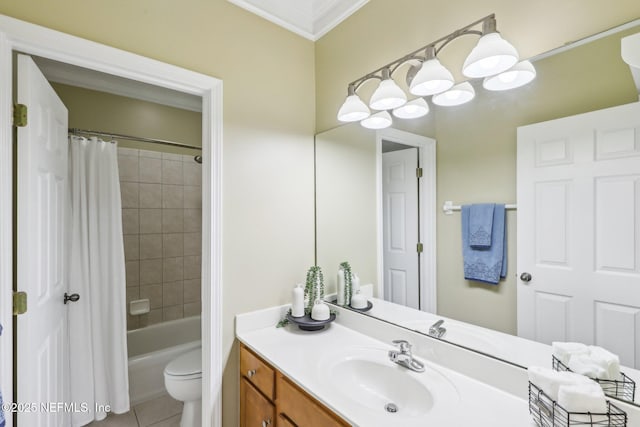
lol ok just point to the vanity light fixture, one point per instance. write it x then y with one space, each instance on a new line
457 95
353 109
493 58
388 95
516 76
379 120
412 109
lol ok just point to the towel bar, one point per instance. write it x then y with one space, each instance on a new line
448 207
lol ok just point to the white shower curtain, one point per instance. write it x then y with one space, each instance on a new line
97 322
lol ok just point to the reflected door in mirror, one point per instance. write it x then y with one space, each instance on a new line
578 230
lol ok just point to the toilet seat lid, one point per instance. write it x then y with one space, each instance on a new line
187 364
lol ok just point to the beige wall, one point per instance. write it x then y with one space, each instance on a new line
476 148
269 121
94 110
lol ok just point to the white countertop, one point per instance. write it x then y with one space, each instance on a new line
301 356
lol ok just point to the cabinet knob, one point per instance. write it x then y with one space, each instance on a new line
251 373
266 423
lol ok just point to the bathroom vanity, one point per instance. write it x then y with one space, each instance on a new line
342 375
266 395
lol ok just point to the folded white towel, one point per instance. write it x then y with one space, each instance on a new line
564 350
550 381
607 360
585 365
583 398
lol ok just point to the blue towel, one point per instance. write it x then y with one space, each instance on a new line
486 264
481 225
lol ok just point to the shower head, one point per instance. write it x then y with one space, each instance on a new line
198 159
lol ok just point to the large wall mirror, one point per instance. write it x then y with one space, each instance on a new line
474 154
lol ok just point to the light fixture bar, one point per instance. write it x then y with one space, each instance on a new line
489 24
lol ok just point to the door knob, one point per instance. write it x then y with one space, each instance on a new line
526 277
251 373
72 297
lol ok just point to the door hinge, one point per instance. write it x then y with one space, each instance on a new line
19 115
19 303
419 172
419 248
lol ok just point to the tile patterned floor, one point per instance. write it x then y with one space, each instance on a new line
163 411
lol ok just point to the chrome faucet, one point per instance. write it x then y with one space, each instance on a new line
404 357
436 330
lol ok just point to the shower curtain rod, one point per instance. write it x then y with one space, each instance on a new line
77 131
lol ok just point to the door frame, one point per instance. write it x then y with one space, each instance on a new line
24 37
427 192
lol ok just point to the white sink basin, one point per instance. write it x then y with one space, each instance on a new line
366 377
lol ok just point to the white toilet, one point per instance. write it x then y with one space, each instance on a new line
183 381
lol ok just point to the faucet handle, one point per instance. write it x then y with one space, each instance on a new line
404 345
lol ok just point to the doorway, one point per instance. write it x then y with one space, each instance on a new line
18 36
406 218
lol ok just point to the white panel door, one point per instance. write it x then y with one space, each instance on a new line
400 227
42 343
579 230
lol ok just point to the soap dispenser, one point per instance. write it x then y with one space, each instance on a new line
320 311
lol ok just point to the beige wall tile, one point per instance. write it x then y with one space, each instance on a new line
151 318
172 293
130 221
171 156
129 192
128 152
192 220
150 271
192 243
150 195
192 309
150 221
192 290
172 172
172 313
172 196
172 269
128 168
150 170
133 322
172 220
153 293
192 197
132 269
172 245
131 247
151 154
150 246
192 267
192 173
133 293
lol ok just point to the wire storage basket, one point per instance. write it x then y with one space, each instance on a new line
547 413
624 389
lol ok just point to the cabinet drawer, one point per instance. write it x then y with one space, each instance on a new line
302 409
256 410
257 372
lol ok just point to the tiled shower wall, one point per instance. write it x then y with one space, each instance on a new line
161 222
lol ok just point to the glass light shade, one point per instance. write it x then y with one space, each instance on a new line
387 96
457 95
432 78
353 109
378 120
516 76
412 109
492 55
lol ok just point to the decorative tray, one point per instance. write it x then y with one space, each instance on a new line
306 323
362 310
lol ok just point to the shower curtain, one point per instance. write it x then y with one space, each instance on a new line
97 322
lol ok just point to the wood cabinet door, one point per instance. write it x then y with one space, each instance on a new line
255 409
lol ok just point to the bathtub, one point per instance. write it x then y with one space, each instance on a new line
151 348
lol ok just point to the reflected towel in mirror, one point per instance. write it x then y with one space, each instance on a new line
485 264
